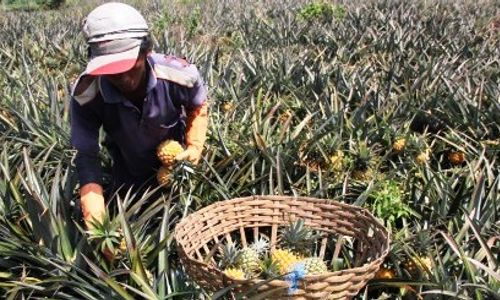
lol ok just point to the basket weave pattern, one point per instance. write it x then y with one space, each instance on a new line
200 234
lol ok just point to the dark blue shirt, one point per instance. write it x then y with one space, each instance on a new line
132 135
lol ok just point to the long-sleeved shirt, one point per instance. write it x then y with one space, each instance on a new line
174 87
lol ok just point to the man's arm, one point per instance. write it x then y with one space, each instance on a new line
196 131
85 139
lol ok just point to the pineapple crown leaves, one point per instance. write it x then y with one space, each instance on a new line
106 233
261 246
298 237
269 268
230 255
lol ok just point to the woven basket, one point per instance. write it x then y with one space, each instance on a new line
199 235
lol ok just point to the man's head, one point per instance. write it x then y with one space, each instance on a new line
117 35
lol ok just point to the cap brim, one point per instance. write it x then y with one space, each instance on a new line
113 63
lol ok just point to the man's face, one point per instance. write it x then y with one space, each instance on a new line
130 80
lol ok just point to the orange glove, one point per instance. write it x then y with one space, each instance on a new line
196 131
92 203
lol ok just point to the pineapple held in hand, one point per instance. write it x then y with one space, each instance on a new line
163 175
167 151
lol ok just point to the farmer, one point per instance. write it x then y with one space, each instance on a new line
138 97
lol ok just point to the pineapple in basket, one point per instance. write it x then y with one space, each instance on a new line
250 258
296 242
314 266
229 262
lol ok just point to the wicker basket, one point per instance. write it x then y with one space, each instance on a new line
200 234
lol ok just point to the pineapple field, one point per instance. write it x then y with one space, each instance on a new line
391 106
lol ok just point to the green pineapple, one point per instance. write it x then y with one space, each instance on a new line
314 266
249 259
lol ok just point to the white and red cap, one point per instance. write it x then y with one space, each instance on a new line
114 32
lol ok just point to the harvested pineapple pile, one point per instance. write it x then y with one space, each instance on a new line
166 152
294 250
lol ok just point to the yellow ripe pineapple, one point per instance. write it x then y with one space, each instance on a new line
337 161
228 107
385 273
167 151
163 176
399 145
123 245
284 259
422 157
314 266
456 157
418 262
296 243
235 273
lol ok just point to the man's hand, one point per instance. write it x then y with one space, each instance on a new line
196 130
192 154
92 203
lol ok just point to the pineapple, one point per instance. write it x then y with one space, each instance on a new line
284 259
163 175
298 238
399 145
269 268
296 242
456 157
314 266
167 151
336 161
249 260
230 256
362 163
228 107
385 273
422 157
235 273
418 262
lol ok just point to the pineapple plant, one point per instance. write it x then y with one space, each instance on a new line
167 151
362 163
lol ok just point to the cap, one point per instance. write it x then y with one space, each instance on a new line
114 32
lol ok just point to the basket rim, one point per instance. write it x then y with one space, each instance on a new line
385 232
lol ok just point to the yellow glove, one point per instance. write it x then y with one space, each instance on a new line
92 203
196 130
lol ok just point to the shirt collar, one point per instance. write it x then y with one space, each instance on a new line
112 95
